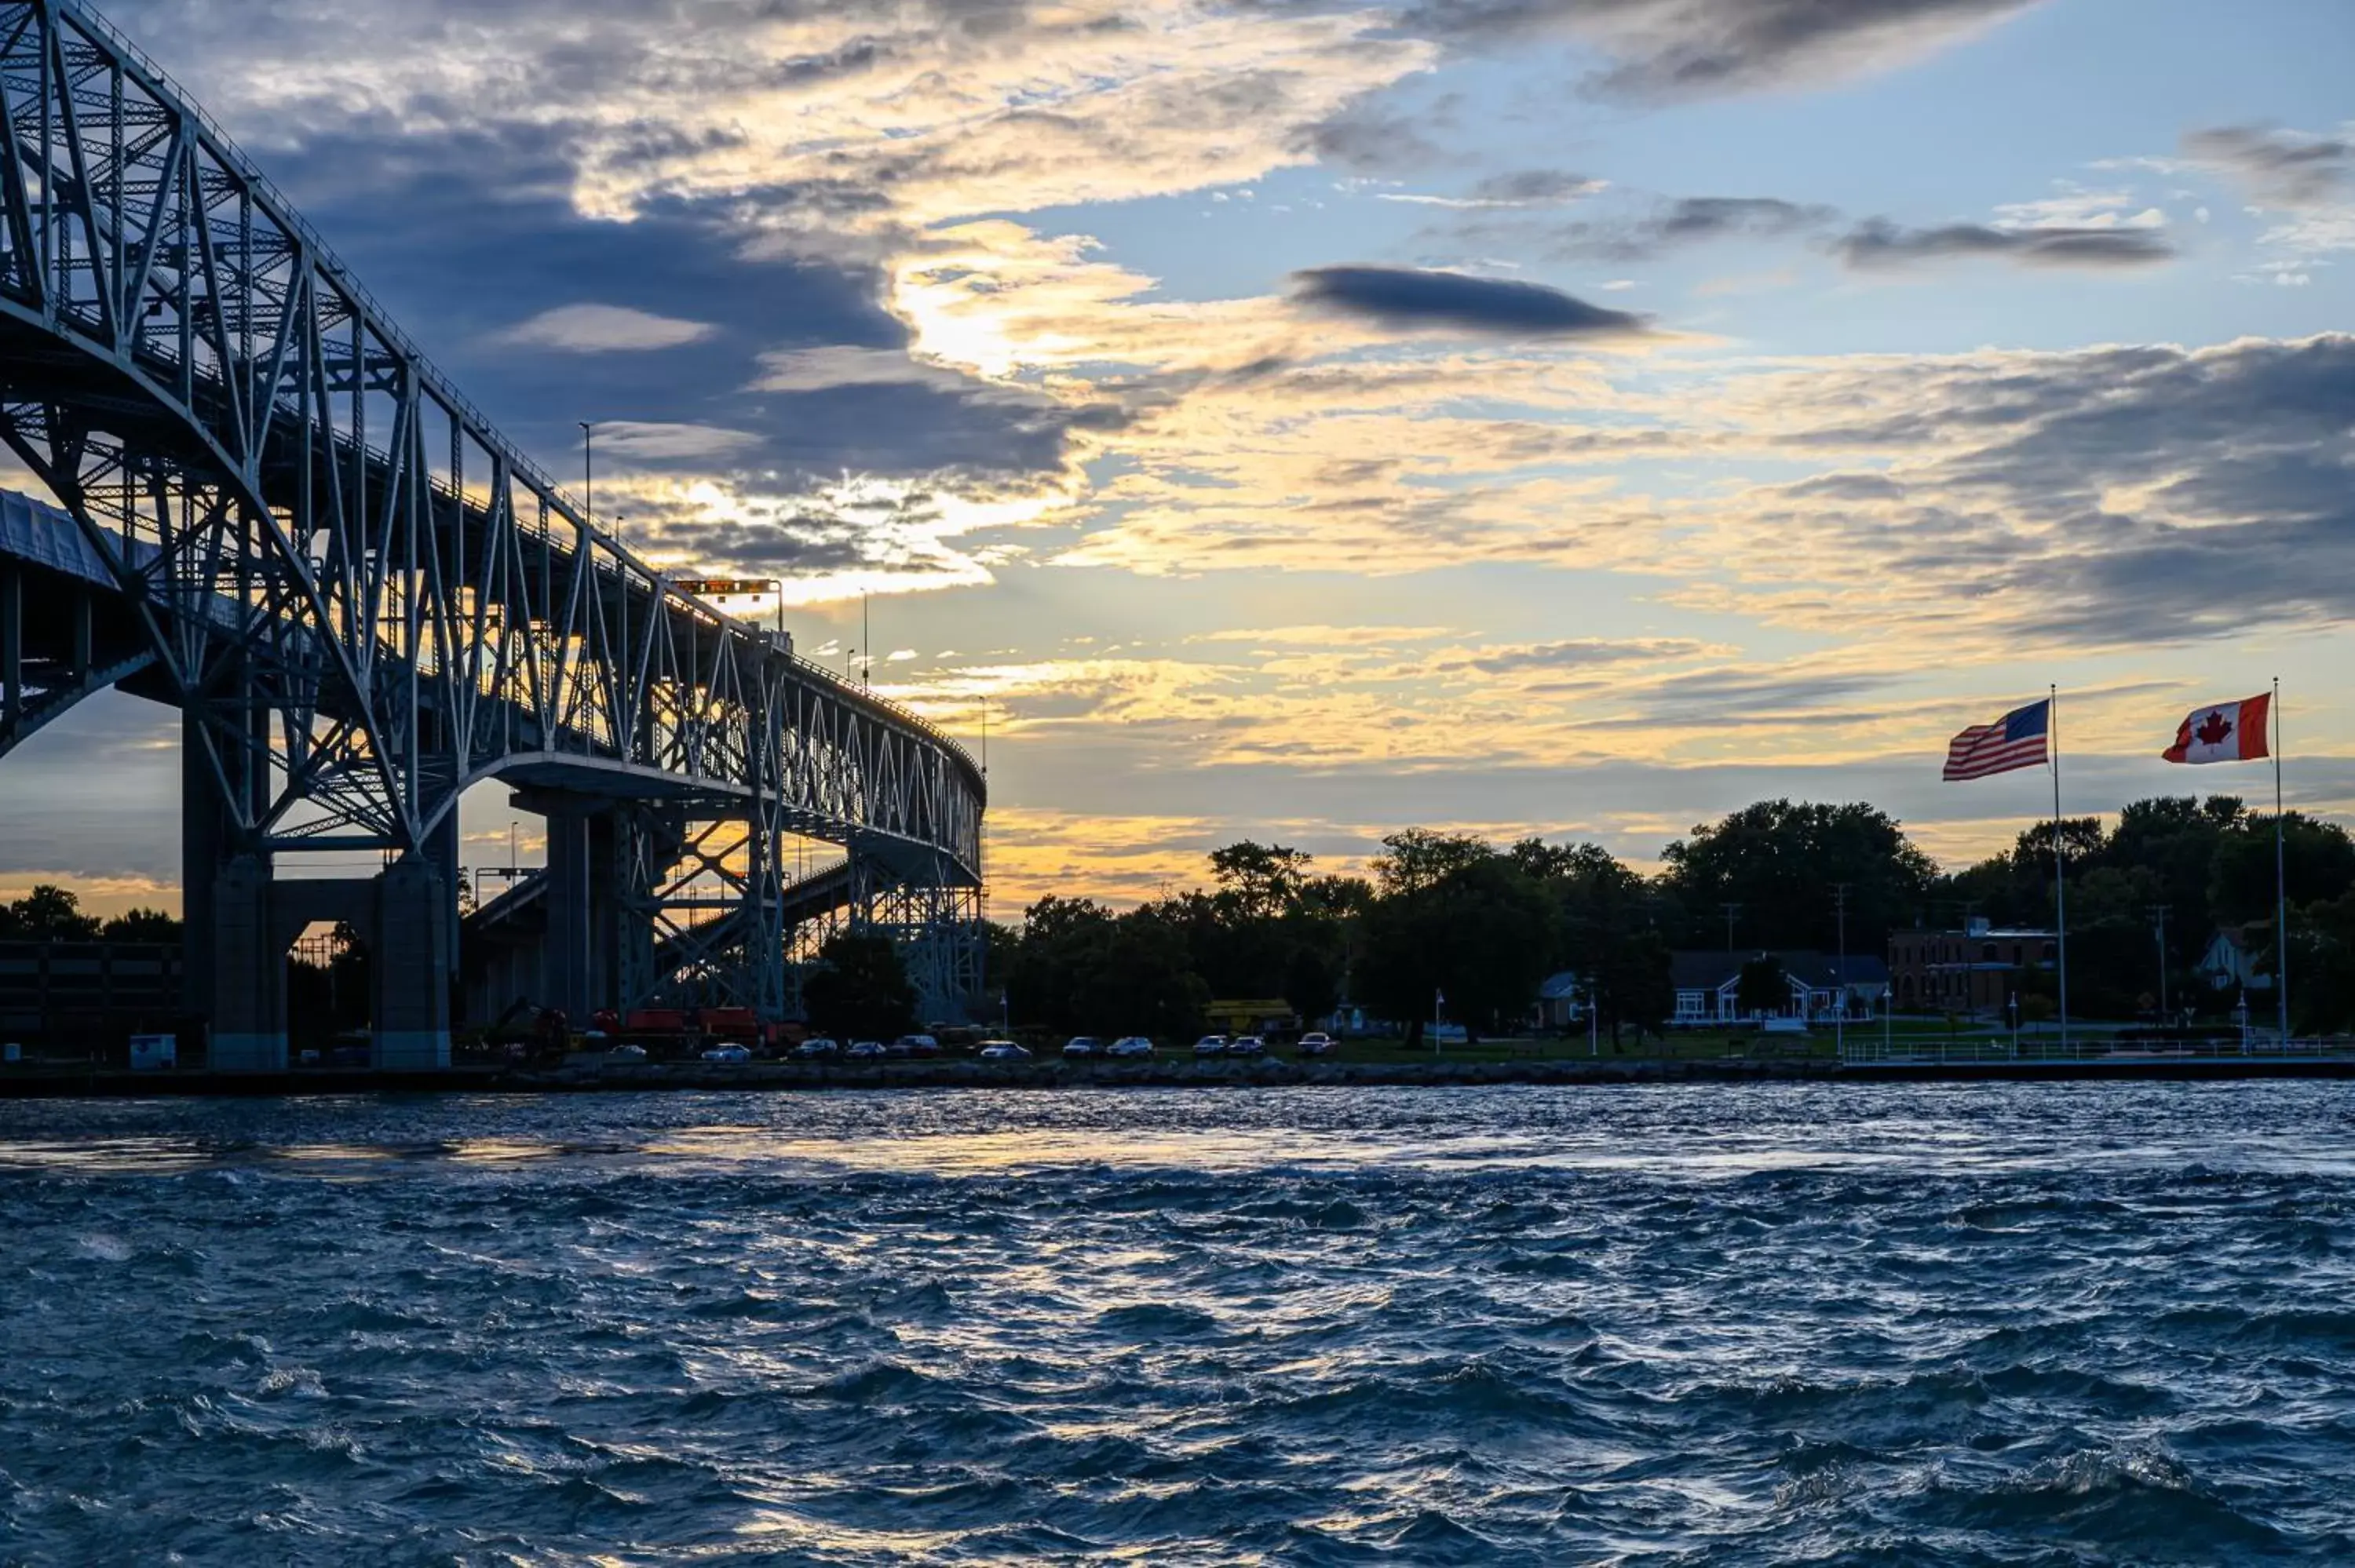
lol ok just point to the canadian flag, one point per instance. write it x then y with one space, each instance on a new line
2223 732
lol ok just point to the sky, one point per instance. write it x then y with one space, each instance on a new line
1302 421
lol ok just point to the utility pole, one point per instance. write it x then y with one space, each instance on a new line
2158 915
1732 913
1839 971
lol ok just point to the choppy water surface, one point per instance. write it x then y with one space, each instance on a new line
2048 1325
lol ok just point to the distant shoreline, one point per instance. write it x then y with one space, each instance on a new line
36 1083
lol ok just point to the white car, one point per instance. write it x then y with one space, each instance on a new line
1082 1046
728 1053
1003 1051
627 1050
1130 1046
1210 1046
1315 1042
1246 1046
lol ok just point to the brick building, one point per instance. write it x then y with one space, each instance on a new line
1974 972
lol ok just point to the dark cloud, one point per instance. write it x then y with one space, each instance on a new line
1878 243
2118 495
2282 167
1368 138
1686 48
1690 220
1534 187
1408 298
466 236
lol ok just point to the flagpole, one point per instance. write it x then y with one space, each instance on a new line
2059 890
2281 879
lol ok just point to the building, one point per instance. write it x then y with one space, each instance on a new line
1976 970
1708 986
2230 962
87 993
1561 1001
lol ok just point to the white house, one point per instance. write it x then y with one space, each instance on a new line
2230 961
1708 986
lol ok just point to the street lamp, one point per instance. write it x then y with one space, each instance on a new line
587 481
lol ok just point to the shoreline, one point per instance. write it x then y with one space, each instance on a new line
33 1081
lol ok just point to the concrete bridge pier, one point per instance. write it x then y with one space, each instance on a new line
565 964
245 979
414 940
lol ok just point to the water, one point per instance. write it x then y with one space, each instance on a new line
2069 1324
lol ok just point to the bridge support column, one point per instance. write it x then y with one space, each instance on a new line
566 970
441 850
12 646
413 943
247 971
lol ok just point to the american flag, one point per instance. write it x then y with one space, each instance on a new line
2015 740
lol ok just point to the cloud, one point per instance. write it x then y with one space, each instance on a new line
2110 497
603 329
1691 49
1879 244
657 440
1324 636
2281 168
1529 187
1579 654
1690 220
1408 299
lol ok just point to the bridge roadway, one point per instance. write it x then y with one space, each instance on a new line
364 600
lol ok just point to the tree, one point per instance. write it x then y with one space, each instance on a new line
1420 859
860 990
2318 857
1060 940
1761 987
141 925
1137 981
1311 989
51 914
1780 860
1481 930
1265 880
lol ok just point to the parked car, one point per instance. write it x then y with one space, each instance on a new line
1003 1051
918 1045
817 1048
1315 1042
728 1053
1082 1046
1129 1045
1246 1046
1210 1046
864 1051
627 1050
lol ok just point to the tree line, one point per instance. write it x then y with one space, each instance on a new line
52 913
1482 924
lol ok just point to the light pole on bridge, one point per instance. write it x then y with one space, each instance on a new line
588 487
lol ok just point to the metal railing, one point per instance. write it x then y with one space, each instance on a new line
1986 1050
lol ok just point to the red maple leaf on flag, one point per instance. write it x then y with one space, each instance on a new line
2213 728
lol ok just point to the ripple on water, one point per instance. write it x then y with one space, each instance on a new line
2084 1325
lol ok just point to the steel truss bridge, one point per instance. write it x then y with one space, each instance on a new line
279 517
